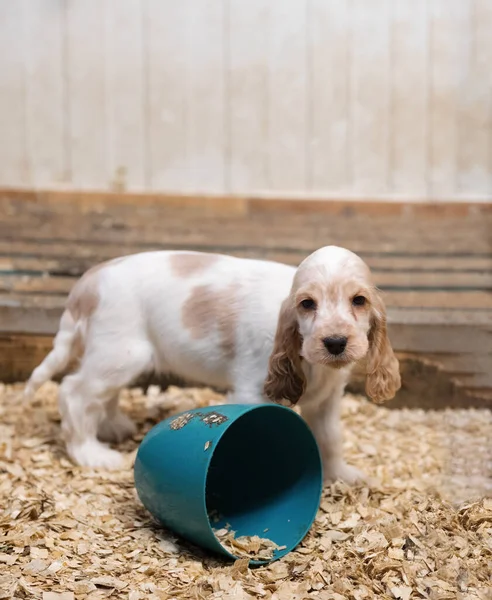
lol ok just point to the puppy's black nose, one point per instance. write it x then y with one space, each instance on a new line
335 345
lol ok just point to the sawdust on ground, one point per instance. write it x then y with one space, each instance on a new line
423 531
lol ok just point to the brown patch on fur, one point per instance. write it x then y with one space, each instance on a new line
206 309
186 264
383 369
286 379
84 297
313 292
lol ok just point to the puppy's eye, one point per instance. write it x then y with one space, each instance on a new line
359 301
308 304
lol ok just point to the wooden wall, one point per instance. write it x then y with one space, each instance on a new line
347 98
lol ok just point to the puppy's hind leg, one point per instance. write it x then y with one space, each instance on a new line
116 426
88 402
82 402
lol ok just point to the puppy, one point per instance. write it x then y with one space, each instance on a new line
264 330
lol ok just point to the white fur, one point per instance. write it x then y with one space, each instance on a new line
137 327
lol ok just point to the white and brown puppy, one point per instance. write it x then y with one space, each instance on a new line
262 329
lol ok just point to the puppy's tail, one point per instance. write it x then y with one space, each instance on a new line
58 359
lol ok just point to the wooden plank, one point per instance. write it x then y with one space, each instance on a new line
384 237
36 315
419 228
409 98
406 325
404 282
18 217
234 234
288 97
254 205
74 258
475 100
206 106
126 94
163 225
445 316
37 285
32 265
323 217
434 280
455 363
395 237
24 257
14 160
87 94
439 299
33 291
19 355
447 49
370 96
209 235
430 263
85 255
329 67
450 338
473 381
46 92
246 235
370 205
166 35
248 95
100 201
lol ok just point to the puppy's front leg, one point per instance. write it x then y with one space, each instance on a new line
323 417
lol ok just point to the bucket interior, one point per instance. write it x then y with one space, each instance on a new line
265 478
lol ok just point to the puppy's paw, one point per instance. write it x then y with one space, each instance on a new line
116 429
341 471
95 455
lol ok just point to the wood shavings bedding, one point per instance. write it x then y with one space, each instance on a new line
247 546
423 531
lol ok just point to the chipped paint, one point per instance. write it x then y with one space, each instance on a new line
213 418
210 419
181 421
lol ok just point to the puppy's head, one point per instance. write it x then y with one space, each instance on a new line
335 317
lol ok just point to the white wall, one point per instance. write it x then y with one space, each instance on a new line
345 98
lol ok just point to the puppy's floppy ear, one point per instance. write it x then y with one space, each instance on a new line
383 370
286 379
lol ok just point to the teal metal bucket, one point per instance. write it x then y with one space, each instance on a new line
254 469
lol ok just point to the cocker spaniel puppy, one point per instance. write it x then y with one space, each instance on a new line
264 330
